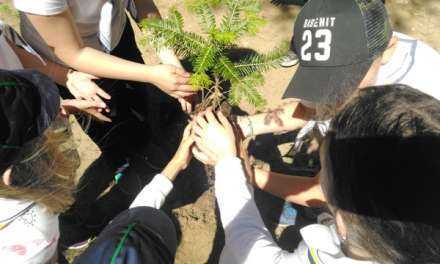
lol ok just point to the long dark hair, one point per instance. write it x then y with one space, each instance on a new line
380 166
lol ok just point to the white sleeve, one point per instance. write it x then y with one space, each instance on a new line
41 7
246 238
155 193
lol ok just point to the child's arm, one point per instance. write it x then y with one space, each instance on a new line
147 9
61 34
305 191
247 240
55 71
289 116
155 193
81 85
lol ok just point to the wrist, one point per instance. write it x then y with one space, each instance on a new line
172 169
148 74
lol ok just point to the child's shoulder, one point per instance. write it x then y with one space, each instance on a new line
321 244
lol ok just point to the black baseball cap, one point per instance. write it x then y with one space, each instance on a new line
336 42
136 236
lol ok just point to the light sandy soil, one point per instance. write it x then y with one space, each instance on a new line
417 18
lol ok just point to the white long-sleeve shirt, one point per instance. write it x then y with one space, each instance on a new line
247 240
29 233
154 194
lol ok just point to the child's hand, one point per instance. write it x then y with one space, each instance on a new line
81 86
187 103
182 157
247 160
93 108
172 80
215 139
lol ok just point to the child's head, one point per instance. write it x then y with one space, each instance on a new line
33 161
341 46
380 164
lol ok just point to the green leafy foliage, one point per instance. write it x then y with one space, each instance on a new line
213 68
191 4
246 89
242 17
261 62
205 59
205 15
200 80
169 32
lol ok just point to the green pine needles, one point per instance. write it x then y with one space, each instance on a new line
215 73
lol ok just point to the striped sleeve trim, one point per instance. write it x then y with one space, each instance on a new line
312 256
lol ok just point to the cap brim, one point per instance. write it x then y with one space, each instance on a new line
326 84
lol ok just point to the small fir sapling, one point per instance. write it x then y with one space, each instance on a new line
215 73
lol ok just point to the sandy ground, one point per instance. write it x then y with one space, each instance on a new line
197 221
